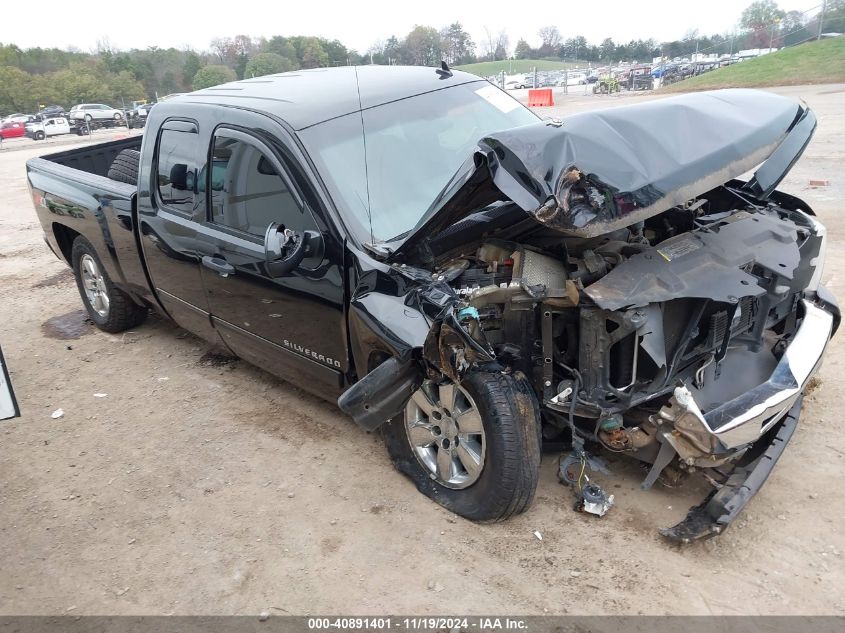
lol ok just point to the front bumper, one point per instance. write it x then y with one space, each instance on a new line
722 506
753 427
744 419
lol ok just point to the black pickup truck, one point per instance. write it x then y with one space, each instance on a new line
471 279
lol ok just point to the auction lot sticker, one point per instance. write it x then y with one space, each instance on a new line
496 97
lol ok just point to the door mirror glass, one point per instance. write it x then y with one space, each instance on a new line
284 249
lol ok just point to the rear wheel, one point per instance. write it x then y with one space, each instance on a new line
474 447
88 117
117 116
110 309
39 136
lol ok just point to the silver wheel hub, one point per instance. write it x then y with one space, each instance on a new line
94 285
446 434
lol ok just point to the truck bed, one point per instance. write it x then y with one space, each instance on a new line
74 197
94 159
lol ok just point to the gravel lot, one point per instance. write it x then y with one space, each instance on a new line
200 487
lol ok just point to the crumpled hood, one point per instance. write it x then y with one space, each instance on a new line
596 172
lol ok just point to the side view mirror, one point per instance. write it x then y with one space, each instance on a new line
284 249
178 176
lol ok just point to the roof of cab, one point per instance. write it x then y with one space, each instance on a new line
306 97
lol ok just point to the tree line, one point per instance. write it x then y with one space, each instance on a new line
44 76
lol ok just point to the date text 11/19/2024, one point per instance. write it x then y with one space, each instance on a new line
417 623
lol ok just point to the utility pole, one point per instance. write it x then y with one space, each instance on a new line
821 20
772 35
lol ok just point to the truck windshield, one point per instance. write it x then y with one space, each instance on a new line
386 165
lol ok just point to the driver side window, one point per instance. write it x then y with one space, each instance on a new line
247 191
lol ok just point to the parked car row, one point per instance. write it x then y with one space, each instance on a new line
80 119
545 79
613 78
81 112
20 117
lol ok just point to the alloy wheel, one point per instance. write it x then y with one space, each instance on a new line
94 284
444 428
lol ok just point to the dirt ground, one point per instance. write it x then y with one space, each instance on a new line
200 487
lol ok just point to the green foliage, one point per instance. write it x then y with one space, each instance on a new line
234 52
761 14
424 46
283 47
810 63
267 64
337 53
38 60
457 45
15 87
760 19
87 82
522 50
190 66
834 17
213 75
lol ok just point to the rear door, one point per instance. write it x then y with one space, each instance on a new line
292 326
171 211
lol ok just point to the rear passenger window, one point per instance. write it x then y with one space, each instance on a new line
247 192
177 151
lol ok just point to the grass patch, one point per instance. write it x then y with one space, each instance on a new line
810 63
514 66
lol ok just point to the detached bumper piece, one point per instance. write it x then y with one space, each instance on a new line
721 507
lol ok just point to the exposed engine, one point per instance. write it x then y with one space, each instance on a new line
541 305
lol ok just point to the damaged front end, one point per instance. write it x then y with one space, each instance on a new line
661 308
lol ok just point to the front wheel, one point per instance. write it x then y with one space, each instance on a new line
117 116
472 447
88 118
110 309
39 136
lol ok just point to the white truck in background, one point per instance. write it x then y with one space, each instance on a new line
52 126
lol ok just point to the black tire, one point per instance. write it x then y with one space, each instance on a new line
117 116
88 117
124 167
511 419
123 313
39 136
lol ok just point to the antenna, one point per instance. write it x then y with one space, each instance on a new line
444 72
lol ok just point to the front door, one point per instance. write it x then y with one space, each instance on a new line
292 326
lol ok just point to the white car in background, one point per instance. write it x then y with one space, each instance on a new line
94 112
573 78
17 117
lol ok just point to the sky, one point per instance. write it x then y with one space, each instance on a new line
358 24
